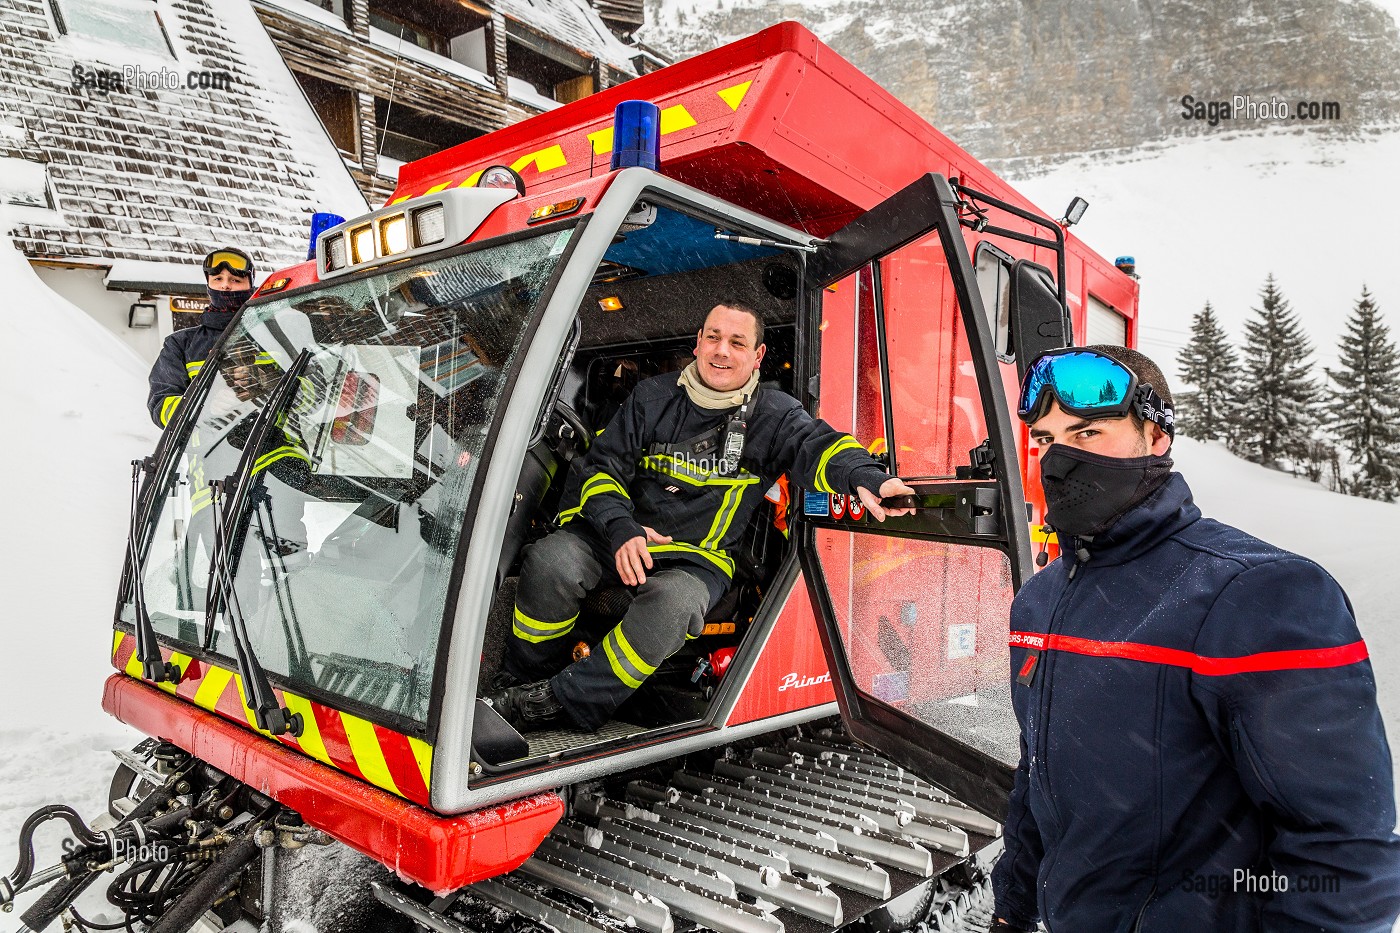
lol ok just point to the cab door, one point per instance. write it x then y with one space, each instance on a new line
914 611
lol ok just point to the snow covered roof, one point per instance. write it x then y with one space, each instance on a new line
110 166
574 23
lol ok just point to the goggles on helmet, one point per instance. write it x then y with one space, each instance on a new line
1090 385
231 260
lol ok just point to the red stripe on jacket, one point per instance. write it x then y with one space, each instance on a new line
1301 659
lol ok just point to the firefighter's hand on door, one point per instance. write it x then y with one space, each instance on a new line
633 558
894 486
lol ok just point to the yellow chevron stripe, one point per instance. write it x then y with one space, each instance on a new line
117 636
182 661
212 687
133 665
248 710
364 745
423 754
310 738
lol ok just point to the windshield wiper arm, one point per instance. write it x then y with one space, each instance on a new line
153 666
269 715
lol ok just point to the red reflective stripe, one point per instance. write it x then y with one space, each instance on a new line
1301 659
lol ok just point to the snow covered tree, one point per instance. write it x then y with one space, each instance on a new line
1210 366
1279 399
1365 402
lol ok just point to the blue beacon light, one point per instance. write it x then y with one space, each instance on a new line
636 135
320 223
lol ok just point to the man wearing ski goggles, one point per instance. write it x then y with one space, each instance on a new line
228 279
230 260
1201 744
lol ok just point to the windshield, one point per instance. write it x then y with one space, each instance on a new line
343 557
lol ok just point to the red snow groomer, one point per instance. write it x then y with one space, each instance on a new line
322 565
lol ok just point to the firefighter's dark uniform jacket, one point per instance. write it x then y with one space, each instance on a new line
180 360
657 464
1198 720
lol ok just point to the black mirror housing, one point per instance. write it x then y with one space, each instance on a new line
1039 322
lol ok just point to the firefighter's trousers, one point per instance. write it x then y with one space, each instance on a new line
558 573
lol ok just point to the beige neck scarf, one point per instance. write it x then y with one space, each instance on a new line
706 397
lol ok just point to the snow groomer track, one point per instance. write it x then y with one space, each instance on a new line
800 836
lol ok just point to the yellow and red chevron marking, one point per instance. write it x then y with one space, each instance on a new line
701 110
397 763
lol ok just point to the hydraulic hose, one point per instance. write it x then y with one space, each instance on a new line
17 879
213 883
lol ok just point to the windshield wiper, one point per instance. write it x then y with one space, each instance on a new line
153 666
234 490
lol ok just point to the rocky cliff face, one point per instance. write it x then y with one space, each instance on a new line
1021 82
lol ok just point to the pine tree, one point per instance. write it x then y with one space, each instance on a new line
1279 399
1210 365
1365 403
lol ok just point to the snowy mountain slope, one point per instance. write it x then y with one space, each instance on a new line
1208 219
1013 80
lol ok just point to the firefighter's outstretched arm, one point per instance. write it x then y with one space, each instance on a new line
826 460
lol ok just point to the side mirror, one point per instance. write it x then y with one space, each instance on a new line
1038 321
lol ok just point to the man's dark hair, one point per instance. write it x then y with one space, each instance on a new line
739 306
1147 372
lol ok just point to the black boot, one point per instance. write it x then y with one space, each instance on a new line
530 707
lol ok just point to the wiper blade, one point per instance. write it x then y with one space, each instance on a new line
153 666
232 495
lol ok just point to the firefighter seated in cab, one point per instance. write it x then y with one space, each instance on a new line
657 503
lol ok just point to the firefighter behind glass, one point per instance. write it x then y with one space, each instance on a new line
1200 743
659 503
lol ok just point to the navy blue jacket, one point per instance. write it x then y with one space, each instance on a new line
1199 729
180 360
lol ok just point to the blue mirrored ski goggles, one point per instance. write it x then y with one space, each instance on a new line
1091 386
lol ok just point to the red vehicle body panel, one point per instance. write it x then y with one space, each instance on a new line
779 124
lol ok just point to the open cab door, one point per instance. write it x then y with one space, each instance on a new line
914 611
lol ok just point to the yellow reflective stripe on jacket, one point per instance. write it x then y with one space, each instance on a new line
624 660
719 558
193 367
264 359
724 517
679 469
167 408
272 456
596 484
845 443
535 631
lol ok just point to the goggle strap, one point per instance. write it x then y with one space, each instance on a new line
1152 408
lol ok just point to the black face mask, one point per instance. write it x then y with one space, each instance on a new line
1086 493
228 301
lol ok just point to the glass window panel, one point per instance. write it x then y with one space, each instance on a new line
938 415
345 555
924 627
132 23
